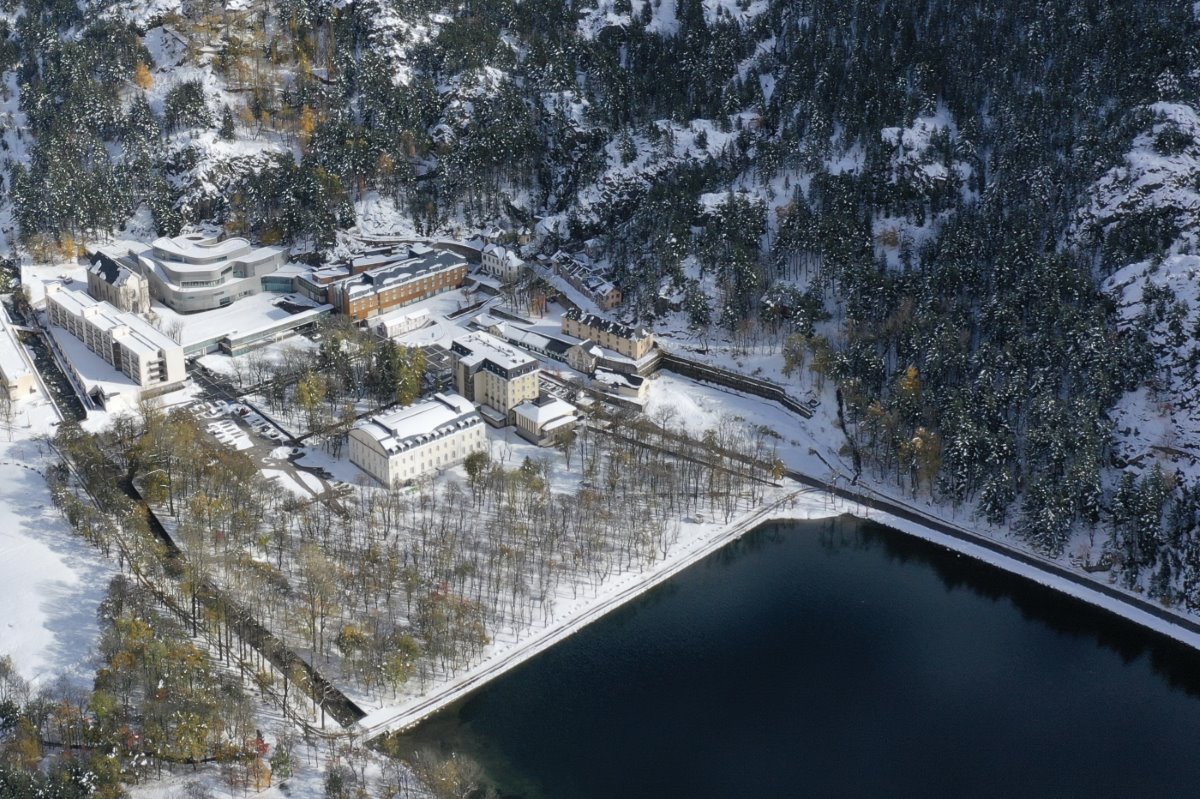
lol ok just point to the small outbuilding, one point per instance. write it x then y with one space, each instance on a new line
542 420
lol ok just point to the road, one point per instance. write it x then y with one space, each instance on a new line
908 513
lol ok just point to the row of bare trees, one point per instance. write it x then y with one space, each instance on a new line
393 589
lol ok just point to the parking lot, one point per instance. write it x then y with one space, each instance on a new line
556 388
240 427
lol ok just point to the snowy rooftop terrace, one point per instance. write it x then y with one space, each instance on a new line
199 249
554 346
198 330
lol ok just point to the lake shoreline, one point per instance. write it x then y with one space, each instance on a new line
407 715
1082 586
1012 560
805 644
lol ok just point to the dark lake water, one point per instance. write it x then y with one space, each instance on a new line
842 659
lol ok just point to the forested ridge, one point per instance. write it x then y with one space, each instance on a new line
902 195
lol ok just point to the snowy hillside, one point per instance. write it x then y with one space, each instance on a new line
857 188
661 18
1150 202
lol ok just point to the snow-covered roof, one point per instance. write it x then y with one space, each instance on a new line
607 325
197 246
110 271
402 316
554 424
420 423
503 253
118 248
131 330
289 322
537 341
291 269
486 321
544 413
376 260
476 347
422 262
590 347
249 313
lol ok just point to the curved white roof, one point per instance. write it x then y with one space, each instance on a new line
196 246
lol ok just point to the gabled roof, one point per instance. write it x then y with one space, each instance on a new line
420 423
477 347
607 325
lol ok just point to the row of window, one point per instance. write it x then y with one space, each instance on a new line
419 461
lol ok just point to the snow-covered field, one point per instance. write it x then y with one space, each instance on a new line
51 581
810 446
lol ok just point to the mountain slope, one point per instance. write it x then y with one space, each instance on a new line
977 218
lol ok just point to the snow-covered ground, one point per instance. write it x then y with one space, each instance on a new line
51 581
240 367
811 447
1158 178
806 446
696 541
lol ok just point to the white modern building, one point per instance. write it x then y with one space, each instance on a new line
16 373
420 439
494 374
126 341
501 262
198 273
541 421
